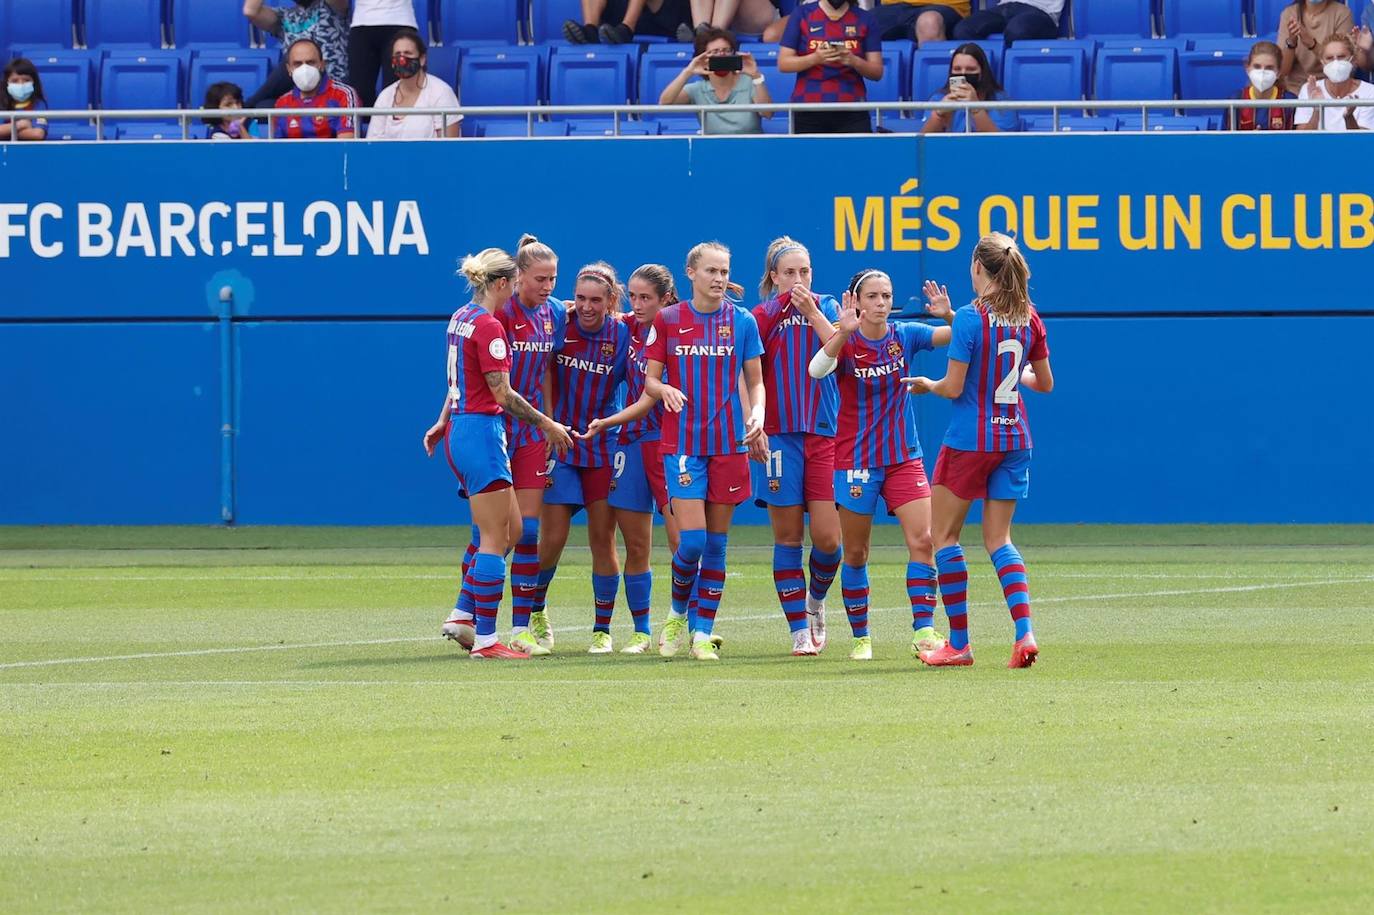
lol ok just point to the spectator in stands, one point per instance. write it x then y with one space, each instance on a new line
1017 20
415 87
720 87
750 17
323 21
1303 28
619 21
1338 65
1262 65
832 46
305 62
24 92
919 20
375 24
970 79
228 97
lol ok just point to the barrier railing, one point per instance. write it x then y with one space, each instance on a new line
185 118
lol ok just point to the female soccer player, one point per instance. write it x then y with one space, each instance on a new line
533 321
987 449
799 459
699 348
877 451
479 392
638 484
587 374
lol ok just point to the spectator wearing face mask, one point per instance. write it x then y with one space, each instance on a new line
23 92
227 97
306 64
1338 82
1262 67
323 21
833 47
375 25
1304 28
415 87
970 80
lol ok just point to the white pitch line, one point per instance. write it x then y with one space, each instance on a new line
12 665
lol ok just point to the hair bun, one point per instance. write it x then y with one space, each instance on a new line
526 239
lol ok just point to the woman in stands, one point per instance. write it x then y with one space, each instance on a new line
998 347
479 393
725 87
23 92
415 87
798 448
587 373
1304 28
1262 66
970 80
877 452
832 46
1338 66
373 27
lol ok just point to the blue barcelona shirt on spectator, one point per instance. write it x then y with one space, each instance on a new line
1004 118
808 28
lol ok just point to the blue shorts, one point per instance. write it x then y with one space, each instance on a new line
800 470
858 490
480 459
578 486
630 489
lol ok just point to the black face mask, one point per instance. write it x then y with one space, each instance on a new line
405 67
305 2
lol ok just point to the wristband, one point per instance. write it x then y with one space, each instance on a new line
759 80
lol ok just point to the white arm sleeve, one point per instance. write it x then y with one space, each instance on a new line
822 364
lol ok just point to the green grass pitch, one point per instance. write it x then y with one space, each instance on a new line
265 720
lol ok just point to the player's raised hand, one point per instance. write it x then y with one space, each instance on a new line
849 314
673 399
559 438
434 436
919 384
937 301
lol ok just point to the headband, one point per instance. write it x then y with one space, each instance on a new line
861 279
785 249
596 273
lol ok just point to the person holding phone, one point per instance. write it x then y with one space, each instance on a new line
730 78
832 46
970 80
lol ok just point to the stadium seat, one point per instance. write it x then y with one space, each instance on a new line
993 50
902 51
547 16
248 71
1209 75
1179 45
38 23
1214 17
1068 124
1266 17
1241 46
124 24
71 130
479 20
585 75
1045 73
68 76
500 76
1087 45
424 19
1113 18
152 80
779 84
656 70
1143 74
605 127
890 88
197 24
683 128
139 131
1160 123
444 61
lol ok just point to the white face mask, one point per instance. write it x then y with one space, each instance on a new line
306 78
1338 71
1263 80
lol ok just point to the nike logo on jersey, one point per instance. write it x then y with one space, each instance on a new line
736 488
521 326
684 330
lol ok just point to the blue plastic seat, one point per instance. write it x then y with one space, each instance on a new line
71 130
605 127
890 88
1213 17
1087 45
1136 74
547 18
587 75
144 131
1241 46
1046 73
37 23
1113 18
1068 124
993 49
197 24
68 76
1210 75
248 71
656 70
151 80
424 19
898 66
1161 123
124 24
1265 15
444 61
484 20
1178 44
500 76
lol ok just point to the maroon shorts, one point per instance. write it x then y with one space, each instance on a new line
819 482
529 467
723 479
974 475
653 472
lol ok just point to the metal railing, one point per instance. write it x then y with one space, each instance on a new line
185 118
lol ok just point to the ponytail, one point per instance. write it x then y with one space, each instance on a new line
1006 266
530 251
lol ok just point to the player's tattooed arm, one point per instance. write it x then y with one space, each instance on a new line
517 406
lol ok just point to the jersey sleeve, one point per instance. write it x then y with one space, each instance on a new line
916 336
830 308
873 38
1040 343
965 334
763 319
493 351
656 343
560 322
750 343
844 362
792 33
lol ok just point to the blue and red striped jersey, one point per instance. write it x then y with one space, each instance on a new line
587 374
808 28
323 126
989 414
645 429
702 355
877 421
535 334
796 401
476 345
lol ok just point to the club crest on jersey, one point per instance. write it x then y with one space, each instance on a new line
548 327
856 491
851 31
723 331
775 485
613 486
548 480
684 479
894 349
608 349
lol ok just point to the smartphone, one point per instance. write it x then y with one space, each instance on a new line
956 81
724 63
839 45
